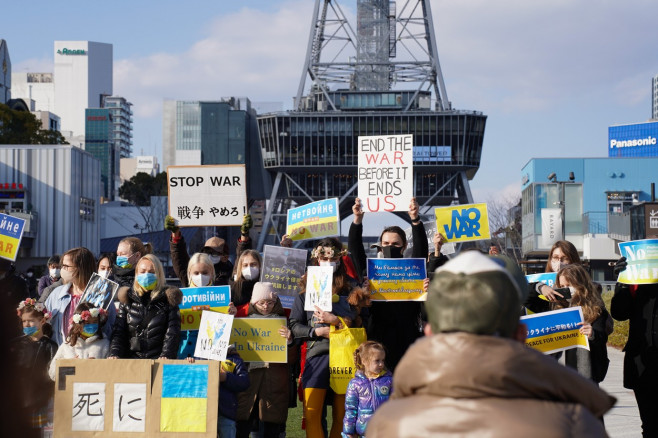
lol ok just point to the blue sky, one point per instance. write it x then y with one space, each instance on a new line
551 75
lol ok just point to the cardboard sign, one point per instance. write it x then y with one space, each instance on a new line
284 267
258 339
198 299
205 196
463 223
642 259
319 284
214 334
385 172
11 233
100 291
397 279
314 221
558 330
548 278
144 398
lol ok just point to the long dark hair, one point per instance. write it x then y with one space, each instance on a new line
568 249
587 297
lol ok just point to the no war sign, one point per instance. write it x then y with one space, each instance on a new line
463 223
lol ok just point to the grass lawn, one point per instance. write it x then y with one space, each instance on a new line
620 334
294 423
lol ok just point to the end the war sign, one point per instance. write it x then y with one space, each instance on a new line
11 233
386 172
313 221
203 196
642 259
462 223
258 339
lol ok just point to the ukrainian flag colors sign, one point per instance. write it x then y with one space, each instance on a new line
642 259
198 299
314 221
184 402
463 223
397 279
11 233
554 331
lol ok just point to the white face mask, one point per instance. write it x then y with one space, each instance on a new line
54 272
104 274
334 265
67 276
250 273
200 280
556 265
215 259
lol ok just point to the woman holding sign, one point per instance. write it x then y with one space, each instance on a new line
562 253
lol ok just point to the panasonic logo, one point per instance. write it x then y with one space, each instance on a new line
631 143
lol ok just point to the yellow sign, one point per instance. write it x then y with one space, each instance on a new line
258 339
463 223
314 221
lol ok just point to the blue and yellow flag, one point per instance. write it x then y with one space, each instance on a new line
184 402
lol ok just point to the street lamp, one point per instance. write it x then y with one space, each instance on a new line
552 177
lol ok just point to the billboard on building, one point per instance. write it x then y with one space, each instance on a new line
637 140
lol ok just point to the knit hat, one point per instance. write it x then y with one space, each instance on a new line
478 294
263 291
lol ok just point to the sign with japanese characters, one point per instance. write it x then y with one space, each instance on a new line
558 330
258 339
548 278
319 284
397 279
100 291
284 267
642 259
214 333
314 221
145 398
385 172
11 233
207 195
198 299
463 223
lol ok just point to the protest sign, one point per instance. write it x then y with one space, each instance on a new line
319 283
548 278
558 330
284 267
11 233
198 299
642 259
397 279
207 195
144 398
100 291
314 221
463 223
214 334
385 172
258 339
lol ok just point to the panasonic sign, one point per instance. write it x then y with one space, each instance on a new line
633 140
648 141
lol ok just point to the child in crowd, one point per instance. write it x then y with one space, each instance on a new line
31 354
267 396
370 387
85 339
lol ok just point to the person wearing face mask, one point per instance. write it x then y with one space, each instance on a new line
562 253
129 251
246 274
78 264
396 325
104 266
51 276
148 322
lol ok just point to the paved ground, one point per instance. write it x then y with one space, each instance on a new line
623 420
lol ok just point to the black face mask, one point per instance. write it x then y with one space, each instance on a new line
392 252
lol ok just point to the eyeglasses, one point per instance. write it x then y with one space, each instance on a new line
68 267
563 259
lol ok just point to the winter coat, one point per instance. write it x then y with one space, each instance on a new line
466 385
396 325
180 258
92 347
44 282
31 359
147 326
237 380
639 305
268 383
14 287
362 398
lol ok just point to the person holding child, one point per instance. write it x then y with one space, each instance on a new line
370 387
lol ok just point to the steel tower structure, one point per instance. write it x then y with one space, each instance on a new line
379 76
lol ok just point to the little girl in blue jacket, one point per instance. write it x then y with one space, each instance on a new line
370 387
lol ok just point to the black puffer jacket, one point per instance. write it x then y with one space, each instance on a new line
147 327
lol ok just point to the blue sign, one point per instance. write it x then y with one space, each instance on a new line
548 278
11 233
554 331
210 296
638 140
396 269
642 259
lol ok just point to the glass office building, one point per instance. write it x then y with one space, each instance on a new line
122 124
99 142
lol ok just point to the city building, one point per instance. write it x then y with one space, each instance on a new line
38 87
56 189
83 77
122 124
633 140
5 72
654 95
48 120
99 142
130 167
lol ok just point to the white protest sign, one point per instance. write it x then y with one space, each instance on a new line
214 335
129 407
88 407
319 283
203 196
385 172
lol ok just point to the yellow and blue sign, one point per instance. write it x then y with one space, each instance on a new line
642 259
558 330
463 223
198 299
11 233
258 339
314 221
397 279
183 407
